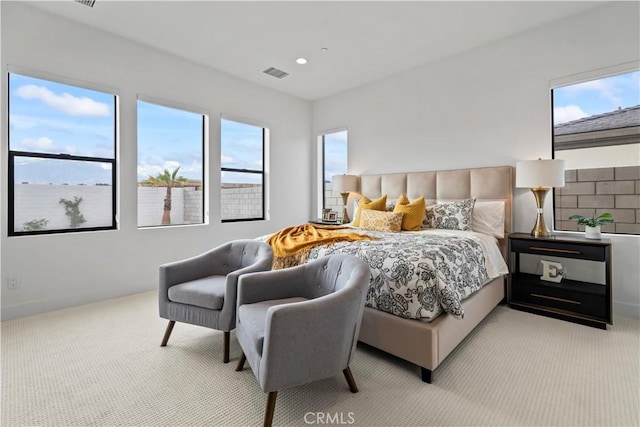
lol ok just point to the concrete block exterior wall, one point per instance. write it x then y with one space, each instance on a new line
241 201
186 205
29 200
587 191
332 200
151 205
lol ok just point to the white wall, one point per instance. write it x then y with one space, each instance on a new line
56 271
489 106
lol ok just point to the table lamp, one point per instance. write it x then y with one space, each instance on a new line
344 184
540 176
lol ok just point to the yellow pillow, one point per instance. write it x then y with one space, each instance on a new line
380 220
365 203
414 212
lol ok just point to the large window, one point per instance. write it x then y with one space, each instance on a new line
242 151
170 166
596 129
334 162
62 171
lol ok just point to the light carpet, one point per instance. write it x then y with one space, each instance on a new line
101 365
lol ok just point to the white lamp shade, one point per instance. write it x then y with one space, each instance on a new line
345 183
540 173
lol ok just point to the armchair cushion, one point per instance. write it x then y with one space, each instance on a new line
207 292
254 318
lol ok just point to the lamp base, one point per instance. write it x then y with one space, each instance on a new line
345 214
540 229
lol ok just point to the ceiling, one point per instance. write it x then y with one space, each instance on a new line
366 40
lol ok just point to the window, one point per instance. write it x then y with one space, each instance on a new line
170 166
62 144
242 148
334 162
596 129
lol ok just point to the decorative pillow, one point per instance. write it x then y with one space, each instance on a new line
488 218
414 212
380 220
366 204
456 215
390 205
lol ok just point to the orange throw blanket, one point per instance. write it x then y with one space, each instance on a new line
292 245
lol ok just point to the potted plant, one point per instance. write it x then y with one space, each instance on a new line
592 223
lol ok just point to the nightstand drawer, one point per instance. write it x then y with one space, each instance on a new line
561 249
563 297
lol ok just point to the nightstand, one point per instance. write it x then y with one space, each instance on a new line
583 302
322 222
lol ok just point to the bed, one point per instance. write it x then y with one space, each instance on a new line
428 344
406 324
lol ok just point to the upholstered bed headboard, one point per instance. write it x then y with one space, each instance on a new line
489 183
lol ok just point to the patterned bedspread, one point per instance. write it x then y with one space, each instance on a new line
417 275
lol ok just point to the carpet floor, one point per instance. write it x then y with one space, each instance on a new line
101 365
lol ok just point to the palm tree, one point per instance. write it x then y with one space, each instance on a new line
169 180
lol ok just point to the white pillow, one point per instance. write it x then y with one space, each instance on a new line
454 215
488 218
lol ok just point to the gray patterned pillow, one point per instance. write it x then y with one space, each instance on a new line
456 215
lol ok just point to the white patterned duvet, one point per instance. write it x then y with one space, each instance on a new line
420 274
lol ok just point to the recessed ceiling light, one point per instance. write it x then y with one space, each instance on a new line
301 61
324 49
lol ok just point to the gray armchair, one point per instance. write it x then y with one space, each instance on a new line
301 324
202 290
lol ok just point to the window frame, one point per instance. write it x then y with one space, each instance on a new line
205 138
627 67
12 154
244 170
322 163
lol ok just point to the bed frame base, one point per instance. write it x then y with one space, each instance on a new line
428 344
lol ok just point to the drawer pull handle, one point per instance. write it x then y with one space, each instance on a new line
566 251
556 299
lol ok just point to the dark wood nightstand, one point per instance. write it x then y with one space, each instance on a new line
322 222
582 302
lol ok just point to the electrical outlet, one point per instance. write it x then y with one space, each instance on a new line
13 284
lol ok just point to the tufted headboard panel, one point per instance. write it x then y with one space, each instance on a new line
490 183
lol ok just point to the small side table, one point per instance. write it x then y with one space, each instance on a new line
576 301
320 221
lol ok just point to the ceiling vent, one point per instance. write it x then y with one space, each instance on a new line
89 3
274 72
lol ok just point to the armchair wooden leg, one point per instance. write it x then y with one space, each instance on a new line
225 357
352 383
167 333
243 359
271 407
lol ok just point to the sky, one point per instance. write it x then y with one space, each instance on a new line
49 117
335 154
599 96
55 118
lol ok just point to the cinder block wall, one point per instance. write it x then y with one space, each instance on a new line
241 201
587 191
332 200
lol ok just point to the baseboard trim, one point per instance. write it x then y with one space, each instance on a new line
626 310
32 308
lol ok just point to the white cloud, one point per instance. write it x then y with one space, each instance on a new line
18 122
146 170
567 114
171 165
66 103
608 89
226 159
38 144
